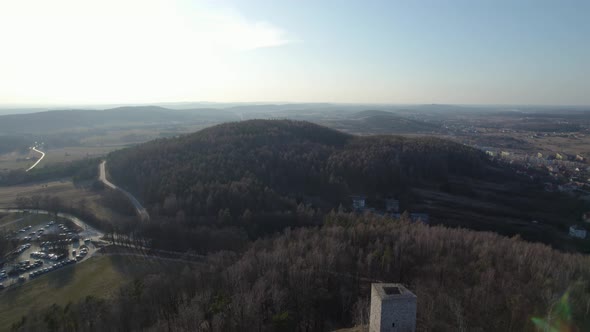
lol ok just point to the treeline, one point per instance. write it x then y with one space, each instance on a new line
14 143
273 166
78 170
318 279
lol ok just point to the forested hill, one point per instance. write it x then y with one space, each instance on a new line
273 165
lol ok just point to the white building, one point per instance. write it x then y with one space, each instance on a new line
393 309
358 203
577 231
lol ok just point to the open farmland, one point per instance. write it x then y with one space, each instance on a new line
17 160
76 153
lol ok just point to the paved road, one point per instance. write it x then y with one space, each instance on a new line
141 211
38 161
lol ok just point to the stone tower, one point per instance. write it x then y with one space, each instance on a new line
393 309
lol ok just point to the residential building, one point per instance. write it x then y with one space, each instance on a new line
578 232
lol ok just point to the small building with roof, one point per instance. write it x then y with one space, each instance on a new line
578 232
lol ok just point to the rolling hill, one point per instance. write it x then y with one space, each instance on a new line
272 165
381 122
279 173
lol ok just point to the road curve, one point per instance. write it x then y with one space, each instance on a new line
141 211
38 161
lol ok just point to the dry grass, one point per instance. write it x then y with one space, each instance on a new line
99 276
15 221
76 153
15 160
65 190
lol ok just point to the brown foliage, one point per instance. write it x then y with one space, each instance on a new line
318 279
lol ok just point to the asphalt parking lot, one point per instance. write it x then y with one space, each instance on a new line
45 248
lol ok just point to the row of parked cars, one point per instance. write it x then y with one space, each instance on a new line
33 236
48 244
26 228
51 267
22 248
24 266
46 255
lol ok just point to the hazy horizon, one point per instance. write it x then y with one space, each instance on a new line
68 52
225 104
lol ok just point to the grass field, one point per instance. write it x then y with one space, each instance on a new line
65 190
98 276
15 221
53 156
15 160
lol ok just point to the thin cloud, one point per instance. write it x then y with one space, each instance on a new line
60 50
228 29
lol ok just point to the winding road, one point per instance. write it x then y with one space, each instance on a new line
38 161
141 211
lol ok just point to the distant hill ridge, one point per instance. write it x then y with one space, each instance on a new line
378 121
370 113
61 120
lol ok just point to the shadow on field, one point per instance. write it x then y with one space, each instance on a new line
61 278
134 264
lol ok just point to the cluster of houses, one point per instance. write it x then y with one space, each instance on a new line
392 209
568 173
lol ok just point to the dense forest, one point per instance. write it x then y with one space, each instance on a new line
273 166
317 279
14 143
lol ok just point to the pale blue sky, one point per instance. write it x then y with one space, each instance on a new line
461 52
